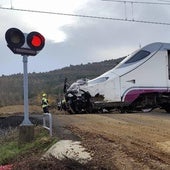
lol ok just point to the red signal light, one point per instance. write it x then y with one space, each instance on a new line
35 41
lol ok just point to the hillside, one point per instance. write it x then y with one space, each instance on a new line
49 82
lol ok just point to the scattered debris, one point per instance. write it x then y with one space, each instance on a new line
69 149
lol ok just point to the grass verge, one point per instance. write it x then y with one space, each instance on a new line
10 152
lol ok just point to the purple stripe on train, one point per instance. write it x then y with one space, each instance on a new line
131 94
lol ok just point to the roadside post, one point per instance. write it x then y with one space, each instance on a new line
49 118
26 45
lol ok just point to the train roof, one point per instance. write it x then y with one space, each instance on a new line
157 46
132 61
143 52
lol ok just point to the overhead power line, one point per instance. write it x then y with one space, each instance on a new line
140 2
164 0
86 16
132 3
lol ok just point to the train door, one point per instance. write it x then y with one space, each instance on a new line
168 69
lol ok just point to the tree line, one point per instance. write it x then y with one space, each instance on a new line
51 82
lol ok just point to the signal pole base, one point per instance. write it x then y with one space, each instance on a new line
26 134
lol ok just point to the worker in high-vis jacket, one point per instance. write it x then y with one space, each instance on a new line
44 103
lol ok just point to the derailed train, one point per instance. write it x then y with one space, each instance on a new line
141 82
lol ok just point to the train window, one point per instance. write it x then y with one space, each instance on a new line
138 56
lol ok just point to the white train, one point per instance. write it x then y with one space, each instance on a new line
140 82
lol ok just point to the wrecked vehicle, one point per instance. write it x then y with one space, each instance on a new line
78 100
141 82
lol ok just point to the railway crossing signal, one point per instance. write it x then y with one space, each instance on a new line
23 43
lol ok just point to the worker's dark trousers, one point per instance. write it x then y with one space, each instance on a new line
45 109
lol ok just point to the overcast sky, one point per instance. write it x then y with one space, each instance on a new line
74 40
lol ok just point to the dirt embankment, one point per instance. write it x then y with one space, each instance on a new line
121 141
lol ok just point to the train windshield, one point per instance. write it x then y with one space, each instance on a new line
138 56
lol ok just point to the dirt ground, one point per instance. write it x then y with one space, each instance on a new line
120 141
136 141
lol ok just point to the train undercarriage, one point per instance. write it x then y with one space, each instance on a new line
84 103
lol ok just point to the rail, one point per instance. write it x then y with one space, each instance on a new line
45 115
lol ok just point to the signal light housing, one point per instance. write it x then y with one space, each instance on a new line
24 44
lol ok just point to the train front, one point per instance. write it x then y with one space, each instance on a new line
93 95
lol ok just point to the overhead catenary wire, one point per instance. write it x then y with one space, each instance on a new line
140 2
132 3
164 0
85 16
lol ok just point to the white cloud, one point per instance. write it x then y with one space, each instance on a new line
74 40
48 24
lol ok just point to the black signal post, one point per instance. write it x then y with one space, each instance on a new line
25 45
